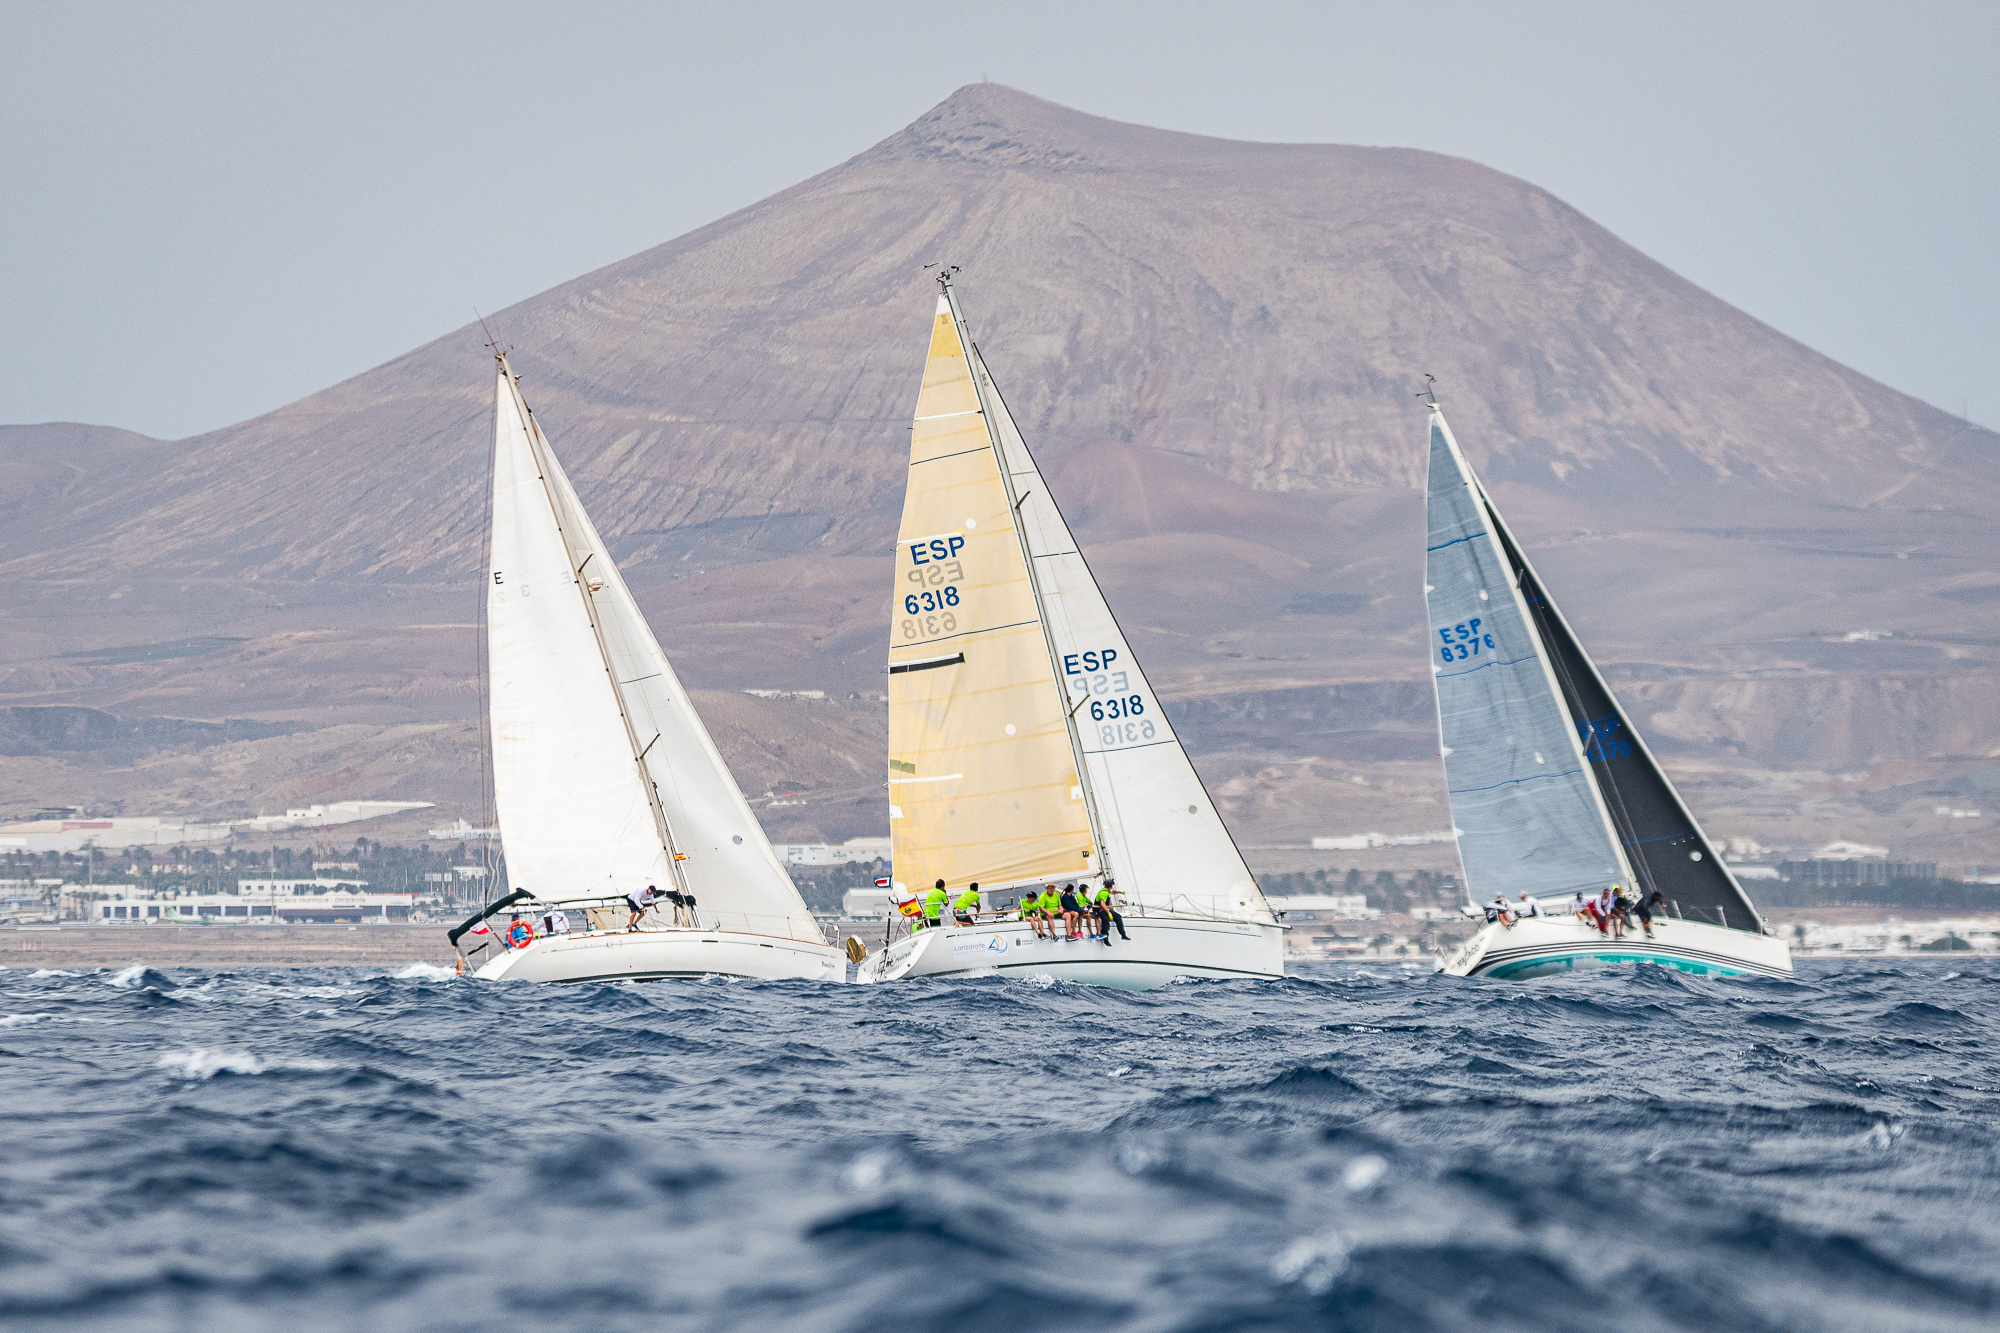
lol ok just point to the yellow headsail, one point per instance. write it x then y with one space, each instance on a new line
982 774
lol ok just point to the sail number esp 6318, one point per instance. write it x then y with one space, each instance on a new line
935 569
1123 716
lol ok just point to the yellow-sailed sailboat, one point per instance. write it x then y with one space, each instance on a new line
1026 747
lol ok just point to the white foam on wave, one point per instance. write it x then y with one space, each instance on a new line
54 972
425 972
22 1020
1314 1263
202 1064
128 979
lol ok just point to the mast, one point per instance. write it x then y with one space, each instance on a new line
1014 503
538 447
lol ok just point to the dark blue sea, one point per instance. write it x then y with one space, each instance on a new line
1357 1148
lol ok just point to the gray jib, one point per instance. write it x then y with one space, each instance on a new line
1527 815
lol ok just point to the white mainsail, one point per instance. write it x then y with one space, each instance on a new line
1529 818
1161 834
1025 742
604 777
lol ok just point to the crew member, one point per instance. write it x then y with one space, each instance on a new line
1104 906
1527 907
934 902
1072 912
640 901
1497 911
1645 910
1099 904
555 922
519 933
965 905
1031 912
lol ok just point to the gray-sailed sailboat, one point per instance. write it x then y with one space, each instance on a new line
1553 791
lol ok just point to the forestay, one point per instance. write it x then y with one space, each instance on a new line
982 778
1163 839
569 780
1528 816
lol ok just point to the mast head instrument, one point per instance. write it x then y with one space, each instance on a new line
944 274
492 342
1429 390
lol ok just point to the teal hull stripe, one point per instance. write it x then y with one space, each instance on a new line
1507 962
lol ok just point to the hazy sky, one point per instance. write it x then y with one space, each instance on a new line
210 210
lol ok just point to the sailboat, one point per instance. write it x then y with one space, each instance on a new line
1026 746
604 779
1553 790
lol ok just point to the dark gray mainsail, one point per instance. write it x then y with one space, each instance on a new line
1551 787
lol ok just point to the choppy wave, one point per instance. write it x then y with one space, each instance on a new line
1358 1148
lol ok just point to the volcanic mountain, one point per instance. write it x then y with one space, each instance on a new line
1215 347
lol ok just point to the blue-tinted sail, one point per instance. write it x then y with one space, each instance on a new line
1528 815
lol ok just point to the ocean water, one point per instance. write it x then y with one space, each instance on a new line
1355 1148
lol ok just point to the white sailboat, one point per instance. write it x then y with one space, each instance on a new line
605 780
1552 789
1026 746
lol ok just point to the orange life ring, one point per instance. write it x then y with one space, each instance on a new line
520 935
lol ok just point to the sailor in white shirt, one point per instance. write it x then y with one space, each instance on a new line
1527 907
1580 905
1497 910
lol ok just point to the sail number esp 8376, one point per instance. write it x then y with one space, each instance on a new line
931 608
1464 640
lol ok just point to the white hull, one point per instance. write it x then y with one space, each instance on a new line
652 955
1161 948
1538 946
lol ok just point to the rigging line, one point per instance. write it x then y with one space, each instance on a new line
487 818
1453 542
975 366
1056 505
1608 784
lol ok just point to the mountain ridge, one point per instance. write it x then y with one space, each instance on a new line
1214 348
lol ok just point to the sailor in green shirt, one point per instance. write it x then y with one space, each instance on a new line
934 906
963 906
1031 911
1051 908
1107 915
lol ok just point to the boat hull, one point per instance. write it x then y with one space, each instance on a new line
1540 946
655 955
1161 949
